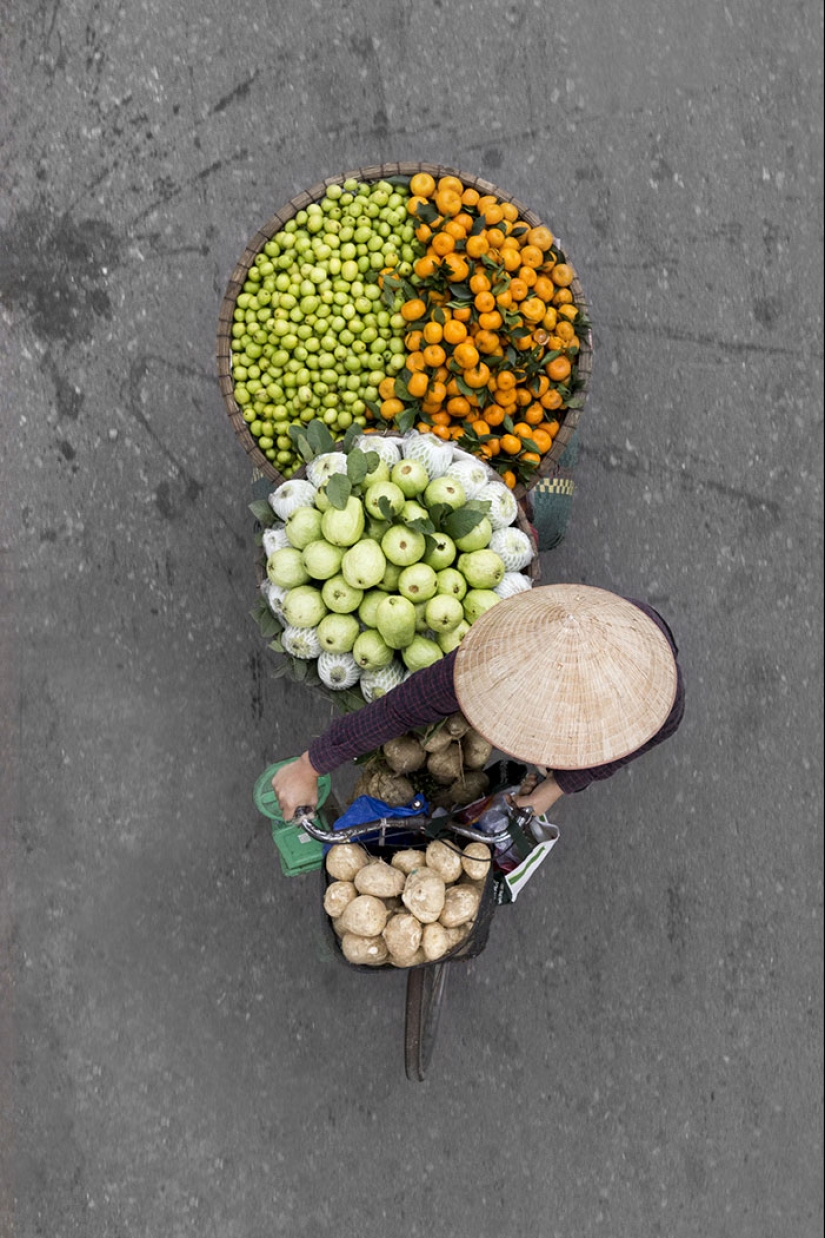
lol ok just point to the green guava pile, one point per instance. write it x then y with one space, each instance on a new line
381 558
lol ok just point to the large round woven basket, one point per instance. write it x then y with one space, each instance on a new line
568 417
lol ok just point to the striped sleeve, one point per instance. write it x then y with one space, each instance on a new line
424 698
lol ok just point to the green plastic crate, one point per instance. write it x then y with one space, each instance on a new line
299 852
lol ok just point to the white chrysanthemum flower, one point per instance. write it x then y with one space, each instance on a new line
512 583
513 547
433 453
297 492
377 683
471 474
274 539
338 670
301 642
325 466
389 449
503 505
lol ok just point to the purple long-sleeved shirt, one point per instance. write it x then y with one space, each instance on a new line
429 695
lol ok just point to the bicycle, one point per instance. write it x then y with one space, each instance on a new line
427 981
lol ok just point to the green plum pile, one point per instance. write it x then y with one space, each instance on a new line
312 336
380 559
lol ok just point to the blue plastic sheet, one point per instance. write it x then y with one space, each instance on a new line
366 808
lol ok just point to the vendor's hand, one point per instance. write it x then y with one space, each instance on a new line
529 783
296 786
541 796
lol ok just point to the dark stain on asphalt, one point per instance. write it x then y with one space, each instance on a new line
771 239
599 207
240 92
675 916
767 310
68 399
661 171
171 501
54 268
163 499
256 696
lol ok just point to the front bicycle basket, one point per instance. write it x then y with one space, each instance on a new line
471 944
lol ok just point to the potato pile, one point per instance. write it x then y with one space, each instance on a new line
412 910
445 763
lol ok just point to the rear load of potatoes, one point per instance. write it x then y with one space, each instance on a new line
415 908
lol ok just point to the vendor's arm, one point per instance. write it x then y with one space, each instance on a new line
424 698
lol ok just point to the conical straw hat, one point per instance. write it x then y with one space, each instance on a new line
566 676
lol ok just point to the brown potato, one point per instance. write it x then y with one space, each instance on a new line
371 951
457 725
469 786
424 895
445 765
438 740
404 754
476 861
435 940
344 860
475 749
408 860
337 896
418 957
402 934
366 915
393 789
460 905
444 860
380 879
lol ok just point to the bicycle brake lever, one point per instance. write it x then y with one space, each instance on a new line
520 814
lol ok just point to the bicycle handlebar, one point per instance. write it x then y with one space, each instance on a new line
304 819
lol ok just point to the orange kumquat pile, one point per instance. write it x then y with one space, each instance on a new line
491 329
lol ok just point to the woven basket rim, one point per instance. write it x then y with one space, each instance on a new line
550 461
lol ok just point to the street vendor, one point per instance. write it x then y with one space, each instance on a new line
570 679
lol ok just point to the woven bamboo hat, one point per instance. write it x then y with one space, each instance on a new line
565 676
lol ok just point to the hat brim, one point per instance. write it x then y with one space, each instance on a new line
566 676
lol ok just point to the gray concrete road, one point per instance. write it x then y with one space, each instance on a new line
638 1051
